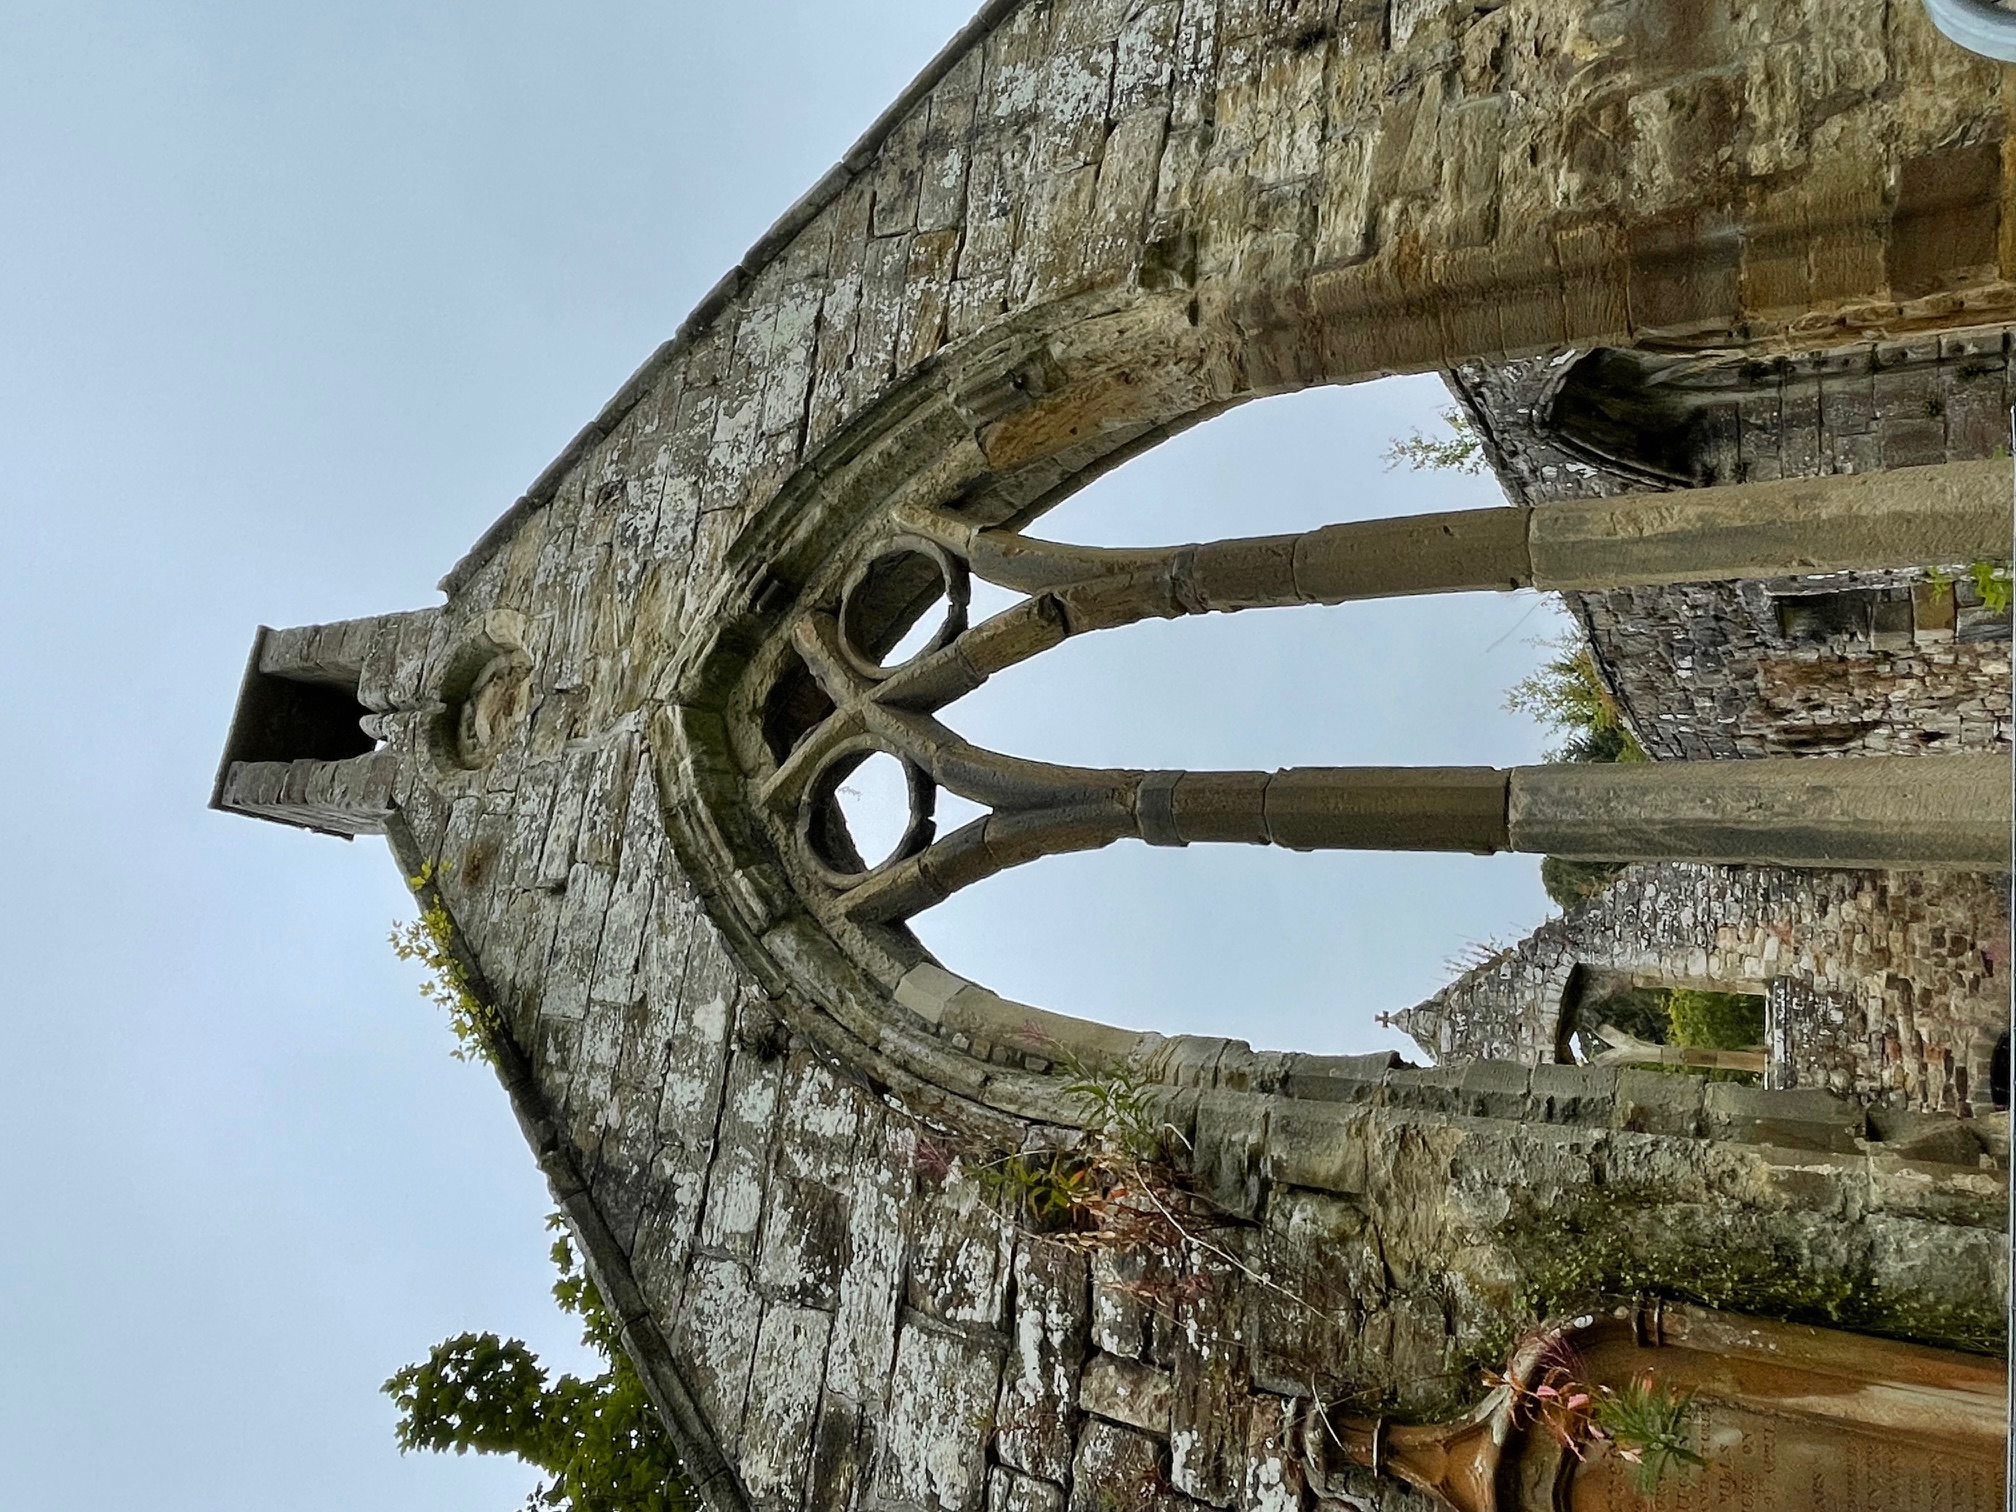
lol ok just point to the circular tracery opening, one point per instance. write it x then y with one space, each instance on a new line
484 693
887 608
866 809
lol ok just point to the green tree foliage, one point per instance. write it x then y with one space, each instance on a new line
1571 883
1460 451
1714 1020
1568 693
599 1442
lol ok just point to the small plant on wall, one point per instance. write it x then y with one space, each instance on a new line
1645 1423
430 941
1991 581
1649 1424
1122 1188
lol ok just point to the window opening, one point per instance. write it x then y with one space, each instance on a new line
1614 1017
1284 950
874 801
284 718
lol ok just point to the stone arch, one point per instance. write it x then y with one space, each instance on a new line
943 478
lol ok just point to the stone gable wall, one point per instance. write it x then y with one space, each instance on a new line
1095 223
853 1321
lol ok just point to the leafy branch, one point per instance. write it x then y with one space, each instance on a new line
430 940
1462 451
598 1441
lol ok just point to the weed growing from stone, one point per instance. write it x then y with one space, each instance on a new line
1057 1195
1127 1191
1122 1190
1992 584
430 940
1991 580
1649 1423
1121 1110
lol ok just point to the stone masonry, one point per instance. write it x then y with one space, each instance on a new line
766 1113
1873 662
1890 985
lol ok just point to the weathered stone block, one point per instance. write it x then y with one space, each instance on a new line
1127 1391
930 1450
1649 1103
1034 1422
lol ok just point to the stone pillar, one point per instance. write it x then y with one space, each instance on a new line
1932 812
1908 517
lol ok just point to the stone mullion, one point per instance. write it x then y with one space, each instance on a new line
1923 516
1905 517
1935 813
1938 813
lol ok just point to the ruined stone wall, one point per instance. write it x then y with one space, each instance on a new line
812 1271
1091 224
1890 985
1707 670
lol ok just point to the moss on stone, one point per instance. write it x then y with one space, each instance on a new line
1626 1242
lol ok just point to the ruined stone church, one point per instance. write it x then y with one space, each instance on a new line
1726 288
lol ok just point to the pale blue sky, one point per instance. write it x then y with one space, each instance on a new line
293 301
